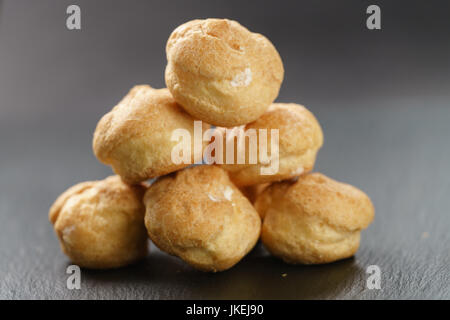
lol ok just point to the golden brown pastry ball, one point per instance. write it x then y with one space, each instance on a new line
313 220
222 73
135 137
198 215
100 224
300 138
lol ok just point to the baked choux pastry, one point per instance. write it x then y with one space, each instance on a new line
313 220
252 192
299 139
135 138
100 224
198 215
222 73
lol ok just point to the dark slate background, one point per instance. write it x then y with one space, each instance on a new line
382 98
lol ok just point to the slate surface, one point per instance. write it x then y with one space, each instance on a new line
382 99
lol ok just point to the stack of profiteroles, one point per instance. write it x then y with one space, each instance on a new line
222 81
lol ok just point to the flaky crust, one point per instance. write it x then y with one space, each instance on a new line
135 137
198 215
313 220
222 73
100 224
300 138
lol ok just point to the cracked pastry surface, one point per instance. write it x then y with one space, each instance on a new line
313 220
198 215
300 138
135 136
222 73
100 224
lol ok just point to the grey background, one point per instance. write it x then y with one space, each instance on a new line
382 98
